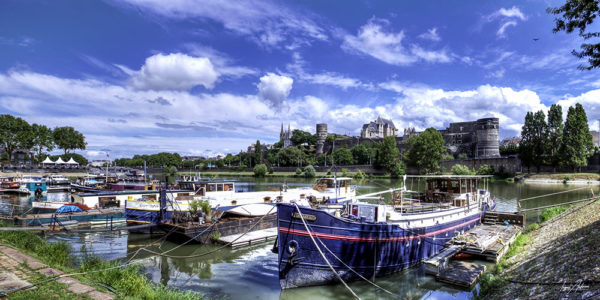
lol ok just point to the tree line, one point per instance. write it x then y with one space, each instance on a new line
16 133
549 141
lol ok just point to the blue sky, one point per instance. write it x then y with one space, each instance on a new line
204 77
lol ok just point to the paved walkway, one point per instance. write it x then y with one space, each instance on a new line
12 275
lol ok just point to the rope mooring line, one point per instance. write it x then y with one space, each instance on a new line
323 254
552 194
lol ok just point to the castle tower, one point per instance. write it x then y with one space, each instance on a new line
487 144
321 137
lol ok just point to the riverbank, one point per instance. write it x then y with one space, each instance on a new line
59 275
555 261
561 178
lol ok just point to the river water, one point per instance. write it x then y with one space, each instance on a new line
251 273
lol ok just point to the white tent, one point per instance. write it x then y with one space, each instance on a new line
48 161
59 161
72 162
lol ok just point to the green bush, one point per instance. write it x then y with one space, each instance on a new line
344 172
485 170
271 170
461 170
309 171
260 170
298 171
359 175
462 156
447 157
398 170
551 212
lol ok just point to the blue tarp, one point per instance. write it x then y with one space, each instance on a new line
68 208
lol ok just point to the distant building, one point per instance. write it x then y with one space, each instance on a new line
595 137
192 157
286 136
379 128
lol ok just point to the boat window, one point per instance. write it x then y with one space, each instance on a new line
220 187
212 187
229 187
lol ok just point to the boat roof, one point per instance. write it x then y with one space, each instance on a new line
450 176
109 193
338 178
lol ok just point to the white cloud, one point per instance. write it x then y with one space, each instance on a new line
388 47
175 71
264 22
431 35
325 78
508 17
274 88
502 28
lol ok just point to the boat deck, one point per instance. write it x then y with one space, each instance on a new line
251 238
89 217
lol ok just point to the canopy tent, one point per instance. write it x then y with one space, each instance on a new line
72 162
48 161
60 161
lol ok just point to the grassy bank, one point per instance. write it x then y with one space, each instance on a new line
126 282
563 176
494 280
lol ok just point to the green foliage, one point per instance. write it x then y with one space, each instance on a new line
425 150
204 206
387 154
485 170
67 138
289 156
534 144
54 254
298 171
447 156
342 156
577 144
531 227
271 170
462 156
462 170
260 170
344 172
194 205
359 175
361 154
15 133
509 150
42 139
577 15
215 236
258 158
551 212
398 170
157 160
170 174
309 171
300 137
555 134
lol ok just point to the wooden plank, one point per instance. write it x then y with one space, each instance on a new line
250 238
461 273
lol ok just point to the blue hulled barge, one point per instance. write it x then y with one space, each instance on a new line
369 240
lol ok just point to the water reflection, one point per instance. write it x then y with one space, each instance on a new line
251 273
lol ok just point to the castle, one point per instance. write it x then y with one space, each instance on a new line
379 128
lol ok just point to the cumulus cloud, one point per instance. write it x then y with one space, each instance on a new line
324 78
175 71
274 88
372 39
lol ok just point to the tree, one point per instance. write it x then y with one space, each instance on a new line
387 154
42 139
578 15
462 170
555 132
260 170
540 145
577 143
398 170
342 156
67 138
290 156
15 133
258 158
361 154
170 174
299 137
526 146
309 171
426 150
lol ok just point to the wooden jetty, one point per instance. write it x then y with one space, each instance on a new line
251 238
488 241
225 227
